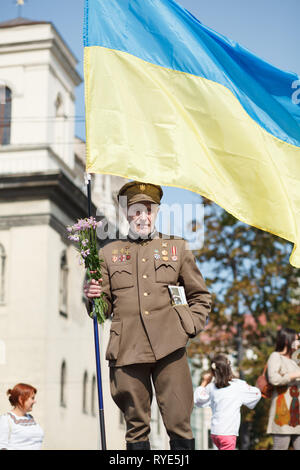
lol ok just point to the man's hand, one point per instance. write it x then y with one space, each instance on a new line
93 289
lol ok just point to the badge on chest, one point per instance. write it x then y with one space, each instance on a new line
121 256
165 254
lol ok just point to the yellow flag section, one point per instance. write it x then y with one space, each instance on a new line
158 125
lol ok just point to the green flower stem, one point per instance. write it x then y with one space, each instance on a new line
92 262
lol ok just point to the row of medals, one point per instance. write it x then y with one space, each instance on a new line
164 255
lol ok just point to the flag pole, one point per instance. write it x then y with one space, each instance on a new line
96 342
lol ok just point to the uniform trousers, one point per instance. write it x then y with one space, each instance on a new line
131 389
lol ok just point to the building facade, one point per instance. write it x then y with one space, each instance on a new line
46 337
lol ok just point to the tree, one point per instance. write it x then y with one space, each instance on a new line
255 291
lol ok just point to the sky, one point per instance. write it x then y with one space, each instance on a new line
268 28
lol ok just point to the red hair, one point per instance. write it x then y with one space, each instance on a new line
19 394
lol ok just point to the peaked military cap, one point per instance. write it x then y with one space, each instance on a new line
136 191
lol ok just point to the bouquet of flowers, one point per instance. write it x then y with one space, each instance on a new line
84 233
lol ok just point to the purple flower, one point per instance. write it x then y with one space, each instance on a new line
74 238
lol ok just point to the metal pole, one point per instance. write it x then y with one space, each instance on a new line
96 341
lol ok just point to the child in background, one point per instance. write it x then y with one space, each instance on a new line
225 395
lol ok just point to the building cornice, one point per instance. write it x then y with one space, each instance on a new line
55 43
54 186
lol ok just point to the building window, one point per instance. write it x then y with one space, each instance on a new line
63 287
5 115
2 274
121 418
84 392
63 379
93 398
59 106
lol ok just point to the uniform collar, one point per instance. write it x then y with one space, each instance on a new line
132 236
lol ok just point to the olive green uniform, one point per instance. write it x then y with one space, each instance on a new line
148 334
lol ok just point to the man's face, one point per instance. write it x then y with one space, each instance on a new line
141 217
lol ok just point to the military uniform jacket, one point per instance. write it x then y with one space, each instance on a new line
145 325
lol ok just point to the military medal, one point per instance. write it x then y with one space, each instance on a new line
174 253
164 253
114 258
127 254
156 255
164 244
165 258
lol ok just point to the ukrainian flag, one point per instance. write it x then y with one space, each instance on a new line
171 102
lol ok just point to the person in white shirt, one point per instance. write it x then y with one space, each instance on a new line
18 429
225 395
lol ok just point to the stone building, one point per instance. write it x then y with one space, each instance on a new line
46 338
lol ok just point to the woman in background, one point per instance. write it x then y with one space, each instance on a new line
284 374
18 429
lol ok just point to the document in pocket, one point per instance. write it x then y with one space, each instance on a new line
177 295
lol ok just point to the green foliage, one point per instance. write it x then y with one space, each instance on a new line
255 292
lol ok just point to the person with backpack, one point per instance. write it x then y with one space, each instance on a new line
225 395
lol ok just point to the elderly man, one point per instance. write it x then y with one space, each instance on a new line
148 332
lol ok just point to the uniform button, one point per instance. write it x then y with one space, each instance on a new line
145 276
144 260
145 294
146 312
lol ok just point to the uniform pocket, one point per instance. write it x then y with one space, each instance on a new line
186 319
114 341
165 271
121 276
